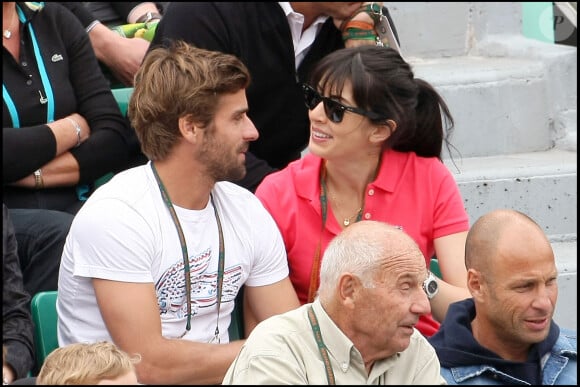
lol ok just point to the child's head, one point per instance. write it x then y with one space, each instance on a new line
83 363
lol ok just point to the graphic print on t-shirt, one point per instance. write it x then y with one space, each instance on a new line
170 287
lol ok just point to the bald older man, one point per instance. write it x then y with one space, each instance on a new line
360 329
504 334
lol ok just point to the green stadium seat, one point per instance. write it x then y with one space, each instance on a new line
122 96
45 318
434 267
237 328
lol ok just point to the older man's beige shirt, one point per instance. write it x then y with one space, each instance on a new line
282 350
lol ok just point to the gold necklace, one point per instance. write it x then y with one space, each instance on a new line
346 222
7 33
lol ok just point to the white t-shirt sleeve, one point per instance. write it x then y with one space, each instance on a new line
110 240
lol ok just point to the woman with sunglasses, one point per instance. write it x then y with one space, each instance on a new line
376 135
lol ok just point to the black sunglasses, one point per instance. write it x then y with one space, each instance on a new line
334 110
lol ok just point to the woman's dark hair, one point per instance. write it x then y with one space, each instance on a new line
382 82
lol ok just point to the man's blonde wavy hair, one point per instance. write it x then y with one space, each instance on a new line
84 363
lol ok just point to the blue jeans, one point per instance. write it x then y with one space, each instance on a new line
40 235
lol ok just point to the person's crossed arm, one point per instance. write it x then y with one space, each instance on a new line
121 55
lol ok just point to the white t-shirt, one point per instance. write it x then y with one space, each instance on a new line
124 232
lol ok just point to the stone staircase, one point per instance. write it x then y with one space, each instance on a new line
514 104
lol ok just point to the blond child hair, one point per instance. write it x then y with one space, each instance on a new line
84 363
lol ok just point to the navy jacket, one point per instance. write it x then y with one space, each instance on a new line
465 361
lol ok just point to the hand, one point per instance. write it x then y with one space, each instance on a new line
125 59
122 55
357 16
7 374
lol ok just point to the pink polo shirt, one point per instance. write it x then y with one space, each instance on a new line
417 193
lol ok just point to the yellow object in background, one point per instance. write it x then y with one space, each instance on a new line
137 30
128 30
139 33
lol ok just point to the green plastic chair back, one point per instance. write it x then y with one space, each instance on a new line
236 329
45 318
122 96
434 267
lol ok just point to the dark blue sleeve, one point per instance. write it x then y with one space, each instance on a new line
17 328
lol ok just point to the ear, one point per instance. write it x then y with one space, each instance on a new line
348 287
382 132
475 283
188 128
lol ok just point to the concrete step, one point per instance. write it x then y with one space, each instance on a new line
541 184
500 105
508 93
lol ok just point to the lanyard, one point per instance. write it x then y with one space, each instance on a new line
221 261
315 273
49 99
321 346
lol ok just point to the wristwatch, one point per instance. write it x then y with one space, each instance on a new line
148 16
38 182
430 285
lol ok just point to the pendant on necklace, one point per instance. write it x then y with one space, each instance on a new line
346 221
42 99
7 34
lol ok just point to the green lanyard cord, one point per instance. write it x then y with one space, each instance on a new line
321 346
186 269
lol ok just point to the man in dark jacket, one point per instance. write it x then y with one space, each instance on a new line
504 334
279 43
